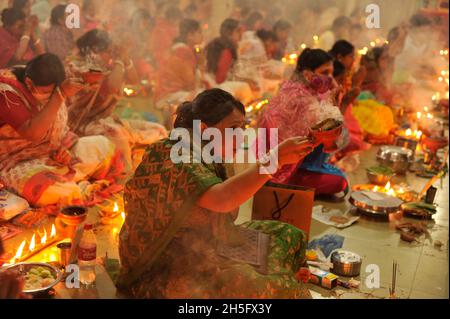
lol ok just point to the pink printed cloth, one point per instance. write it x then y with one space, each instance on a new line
295 109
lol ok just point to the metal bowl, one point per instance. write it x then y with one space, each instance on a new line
24 268
378 179
383 206
346 263
399 159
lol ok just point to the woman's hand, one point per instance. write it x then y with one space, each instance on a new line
294 149
70 88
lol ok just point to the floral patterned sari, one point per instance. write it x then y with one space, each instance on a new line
168 243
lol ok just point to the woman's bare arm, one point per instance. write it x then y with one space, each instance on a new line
231 194
37 128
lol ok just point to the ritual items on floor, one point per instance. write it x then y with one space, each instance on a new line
346 263
11 205
375 203
411 232
333 217
380 175
397 158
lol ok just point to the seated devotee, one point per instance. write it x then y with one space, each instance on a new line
339 30
179 79
23 6
256 64
282 30
40 158
221 53
138 33
89 17
18 40
58 39
253 23
376 64
303 102
91 111
189 209
346 99
164 33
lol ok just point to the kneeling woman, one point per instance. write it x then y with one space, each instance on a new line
303 102
40 158
179 214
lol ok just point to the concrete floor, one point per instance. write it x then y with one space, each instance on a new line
422 269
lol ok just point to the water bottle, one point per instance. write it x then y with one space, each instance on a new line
87 256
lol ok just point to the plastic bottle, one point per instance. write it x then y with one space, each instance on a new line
87 256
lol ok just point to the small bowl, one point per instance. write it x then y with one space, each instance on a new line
346 263
378 179
328 138
73 215
23 268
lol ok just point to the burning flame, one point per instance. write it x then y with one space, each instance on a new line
32 243
129 91
19 252
44 237
123 216
416 133
53 232
419 115
116 208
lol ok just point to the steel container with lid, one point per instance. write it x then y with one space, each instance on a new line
397 158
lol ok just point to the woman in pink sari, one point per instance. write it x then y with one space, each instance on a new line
18 42
302 102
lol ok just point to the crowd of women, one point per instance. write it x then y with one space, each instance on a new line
59 88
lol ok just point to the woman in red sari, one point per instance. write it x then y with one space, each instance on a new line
37 149
18 42
179 75
221 53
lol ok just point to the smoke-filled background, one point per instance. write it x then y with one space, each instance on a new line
310 20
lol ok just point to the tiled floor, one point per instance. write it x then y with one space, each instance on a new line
423 269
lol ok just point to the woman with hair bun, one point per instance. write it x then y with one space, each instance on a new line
304 101
180 214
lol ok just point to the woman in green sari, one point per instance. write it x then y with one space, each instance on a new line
178 215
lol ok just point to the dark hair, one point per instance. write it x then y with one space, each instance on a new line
374 55
228 26
419 20
393 34
18 5
253 18
11 16
282 25
58 12
94 41
341 21
338 69
215 48
266 35
311 59
341 48
210 107
43 70
187 26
